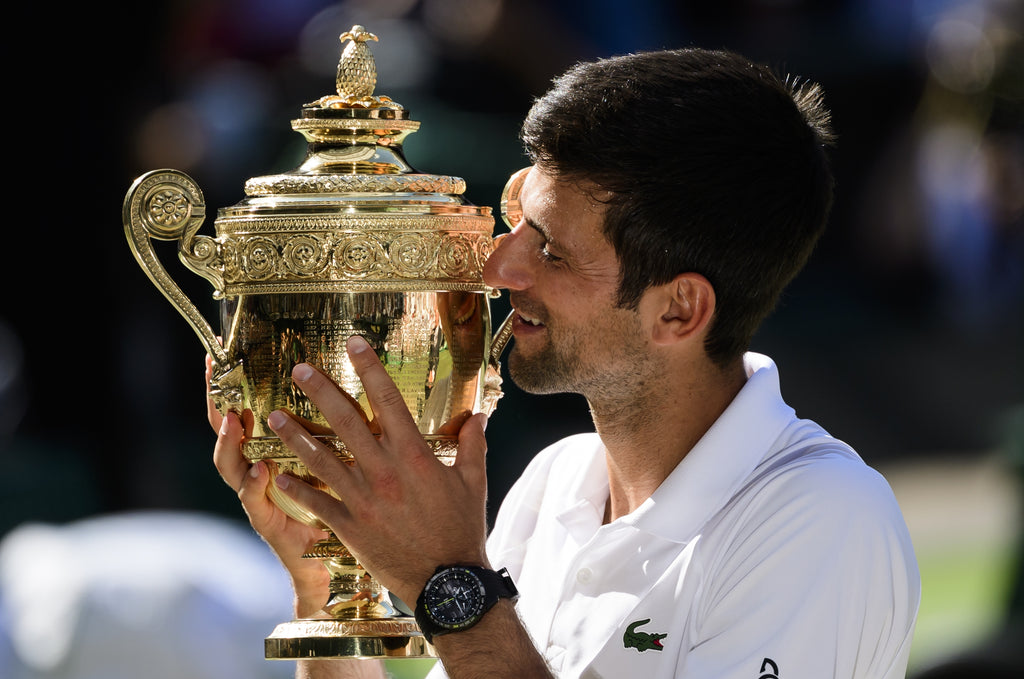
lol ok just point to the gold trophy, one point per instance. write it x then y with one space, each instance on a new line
353 241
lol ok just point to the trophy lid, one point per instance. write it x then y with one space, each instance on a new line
355 215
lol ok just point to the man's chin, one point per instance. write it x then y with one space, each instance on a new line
534 375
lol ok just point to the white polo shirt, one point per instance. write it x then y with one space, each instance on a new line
772 550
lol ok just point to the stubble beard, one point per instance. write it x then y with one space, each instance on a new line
544 372
558 367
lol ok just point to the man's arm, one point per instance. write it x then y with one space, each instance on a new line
497 646
340 669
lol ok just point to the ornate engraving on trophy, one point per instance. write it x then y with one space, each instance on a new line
423 251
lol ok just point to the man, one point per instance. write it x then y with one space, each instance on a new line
702 531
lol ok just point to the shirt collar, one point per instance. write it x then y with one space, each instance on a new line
585 499
722 460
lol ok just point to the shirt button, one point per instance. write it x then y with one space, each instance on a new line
584 575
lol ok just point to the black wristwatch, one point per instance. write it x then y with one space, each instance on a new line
456 597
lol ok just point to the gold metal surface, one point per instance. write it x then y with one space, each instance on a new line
352 242
328 638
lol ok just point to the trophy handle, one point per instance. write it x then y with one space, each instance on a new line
501 338
168 205
492 377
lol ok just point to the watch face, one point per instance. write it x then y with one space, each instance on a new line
454 598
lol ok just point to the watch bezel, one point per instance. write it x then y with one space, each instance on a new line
476 586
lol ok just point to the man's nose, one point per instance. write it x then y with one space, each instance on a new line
505 268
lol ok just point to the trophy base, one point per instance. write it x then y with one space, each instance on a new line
326 638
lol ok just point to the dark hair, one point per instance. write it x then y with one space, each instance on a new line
714 165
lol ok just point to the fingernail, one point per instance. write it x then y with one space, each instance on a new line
486 420
254 470
357 344
282 481
276 419
302 372
224 426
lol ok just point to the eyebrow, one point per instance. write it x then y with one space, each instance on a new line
542 230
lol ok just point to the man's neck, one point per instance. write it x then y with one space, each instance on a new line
647 439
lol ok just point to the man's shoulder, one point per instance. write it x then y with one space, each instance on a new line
815 489
810 463
812 503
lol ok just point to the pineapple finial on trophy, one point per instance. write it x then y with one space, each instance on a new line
357 75
357 72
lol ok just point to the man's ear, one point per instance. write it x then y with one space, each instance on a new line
684 307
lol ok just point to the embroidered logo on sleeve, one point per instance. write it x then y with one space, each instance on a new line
642 641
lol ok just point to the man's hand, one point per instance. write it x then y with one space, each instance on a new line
288 538
403 511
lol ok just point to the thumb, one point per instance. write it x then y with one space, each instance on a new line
471 459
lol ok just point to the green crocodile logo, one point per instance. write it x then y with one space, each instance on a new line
642 641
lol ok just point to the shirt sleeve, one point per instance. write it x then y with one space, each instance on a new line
818 580
437 672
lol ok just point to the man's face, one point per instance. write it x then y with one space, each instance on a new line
562 276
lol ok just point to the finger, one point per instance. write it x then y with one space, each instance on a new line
227 452
321 460
471 459
253 494
385 399
309 425
248 421
328 509
347 419
455 424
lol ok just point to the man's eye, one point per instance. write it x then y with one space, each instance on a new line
548 256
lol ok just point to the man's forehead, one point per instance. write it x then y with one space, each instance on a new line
564 212
537 188
544 191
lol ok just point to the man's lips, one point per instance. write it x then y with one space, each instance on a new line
524 324
526 318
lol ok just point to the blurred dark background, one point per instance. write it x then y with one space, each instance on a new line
904 336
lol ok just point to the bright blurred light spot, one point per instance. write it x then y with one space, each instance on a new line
461 23
154 594
224 107
960 55
951 163
171 136
232 95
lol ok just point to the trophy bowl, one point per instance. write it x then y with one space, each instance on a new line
352 242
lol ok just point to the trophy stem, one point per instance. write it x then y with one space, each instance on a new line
359 619
354 593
